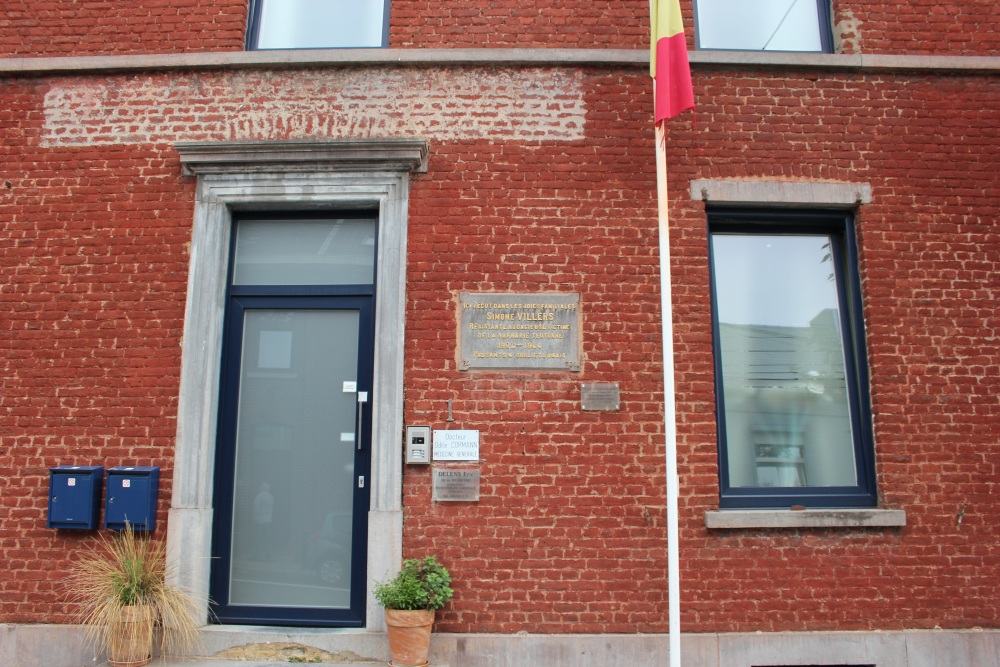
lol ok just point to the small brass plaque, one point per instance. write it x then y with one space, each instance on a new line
455 485
519 331
600 396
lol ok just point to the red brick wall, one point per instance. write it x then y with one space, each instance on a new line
871 26
562 539
569 535
93 27
929 257
580 24
107 27
92 286
925 27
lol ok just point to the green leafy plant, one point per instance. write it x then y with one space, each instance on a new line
125 573
421 584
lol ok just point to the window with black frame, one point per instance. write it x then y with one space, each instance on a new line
318 24
790 364
764 25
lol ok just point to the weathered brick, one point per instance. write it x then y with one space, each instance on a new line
570 533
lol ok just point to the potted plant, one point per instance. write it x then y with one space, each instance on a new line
123 593
410 600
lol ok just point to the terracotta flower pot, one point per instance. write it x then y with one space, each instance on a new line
131 638
409 635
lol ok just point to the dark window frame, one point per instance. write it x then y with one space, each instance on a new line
253 29
824 11
840 226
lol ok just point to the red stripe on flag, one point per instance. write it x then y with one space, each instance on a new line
674 93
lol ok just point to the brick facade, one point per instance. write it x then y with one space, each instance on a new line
101 27
540 179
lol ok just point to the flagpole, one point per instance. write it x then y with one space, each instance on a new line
669 67
669 408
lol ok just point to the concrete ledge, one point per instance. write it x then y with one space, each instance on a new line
843 518
293 58
60 646
971 64
627 58
776 59
780 193
310 156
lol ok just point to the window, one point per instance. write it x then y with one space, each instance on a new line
764 25
791 377
318 24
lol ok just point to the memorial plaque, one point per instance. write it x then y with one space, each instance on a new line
456 445
519 331
455 485
600 396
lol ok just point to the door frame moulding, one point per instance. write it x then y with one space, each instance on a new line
337 174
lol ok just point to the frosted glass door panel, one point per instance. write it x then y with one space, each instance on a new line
295 449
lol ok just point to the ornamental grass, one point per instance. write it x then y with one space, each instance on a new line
121 575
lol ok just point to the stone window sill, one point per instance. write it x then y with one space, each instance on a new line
825 518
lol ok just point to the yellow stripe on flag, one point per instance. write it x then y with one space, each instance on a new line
667 21
668 60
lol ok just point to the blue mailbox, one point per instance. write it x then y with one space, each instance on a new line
130 498
75 497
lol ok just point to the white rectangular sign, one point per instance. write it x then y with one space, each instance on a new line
456 445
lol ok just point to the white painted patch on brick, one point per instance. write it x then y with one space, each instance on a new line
475 103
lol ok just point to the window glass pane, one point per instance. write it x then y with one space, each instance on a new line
787 415
758 25
317 24
334 251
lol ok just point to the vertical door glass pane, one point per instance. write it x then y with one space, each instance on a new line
759 25
317 24
335 251
787 415
295 448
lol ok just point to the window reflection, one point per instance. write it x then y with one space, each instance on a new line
787 415
318 24
761 25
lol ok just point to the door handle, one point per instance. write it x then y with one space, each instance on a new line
362 399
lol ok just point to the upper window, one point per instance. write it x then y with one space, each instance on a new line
305 250
764 25
790 363
318 24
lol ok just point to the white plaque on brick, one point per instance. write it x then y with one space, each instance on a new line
456 445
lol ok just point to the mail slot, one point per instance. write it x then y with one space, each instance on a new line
130 498
75 497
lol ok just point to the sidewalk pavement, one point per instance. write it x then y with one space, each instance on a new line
212 662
